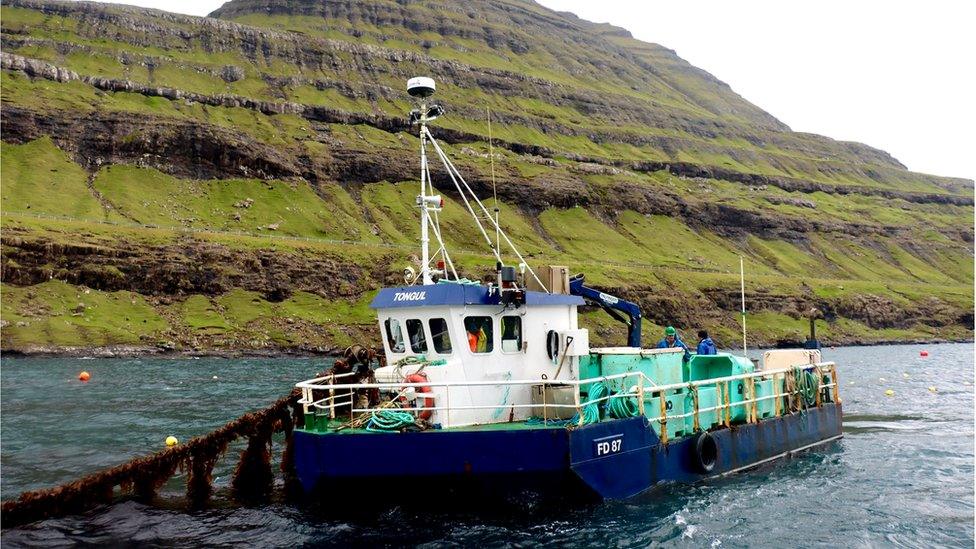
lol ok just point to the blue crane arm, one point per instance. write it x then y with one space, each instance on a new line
611 304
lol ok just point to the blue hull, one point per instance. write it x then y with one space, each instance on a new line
608 460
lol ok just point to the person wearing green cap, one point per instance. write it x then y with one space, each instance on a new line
671 339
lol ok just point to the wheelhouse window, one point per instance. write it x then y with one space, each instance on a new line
511 334
418 341
440 335
479 333
394 336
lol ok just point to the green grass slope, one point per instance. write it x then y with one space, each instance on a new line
202 192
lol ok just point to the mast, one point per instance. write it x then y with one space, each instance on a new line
421 88
424 214
742 289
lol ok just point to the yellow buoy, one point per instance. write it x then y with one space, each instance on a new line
171 441
889 392
933 389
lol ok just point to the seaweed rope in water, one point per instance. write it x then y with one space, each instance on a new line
142 477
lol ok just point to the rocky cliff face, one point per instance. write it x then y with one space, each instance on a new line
134 138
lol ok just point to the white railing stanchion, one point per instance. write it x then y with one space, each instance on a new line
545 409
447 398
833 378
640 395
727 399
754 408
777 402
332 413
663 423
579 409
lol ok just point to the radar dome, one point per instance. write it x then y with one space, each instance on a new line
421 86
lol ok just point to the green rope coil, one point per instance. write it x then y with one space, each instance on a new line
591 414
619 407
412 359
389 420
419 360
807 385
622 407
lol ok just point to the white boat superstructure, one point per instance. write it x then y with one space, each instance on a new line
466 334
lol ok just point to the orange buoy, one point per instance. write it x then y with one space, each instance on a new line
923 353
84 376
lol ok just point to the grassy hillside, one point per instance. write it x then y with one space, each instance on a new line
247 182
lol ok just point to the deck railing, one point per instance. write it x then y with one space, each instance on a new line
341 398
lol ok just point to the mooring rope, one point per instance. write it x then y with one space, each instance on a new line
142 477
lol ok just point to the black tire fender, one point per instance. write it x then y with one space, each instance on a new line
705 453
552 344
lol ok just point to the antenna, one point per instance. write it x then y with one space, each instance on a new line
742 281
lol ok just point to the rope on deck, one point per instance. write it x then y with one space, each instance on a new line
142 477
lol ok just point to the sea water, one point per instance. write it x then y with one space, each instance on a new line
902 476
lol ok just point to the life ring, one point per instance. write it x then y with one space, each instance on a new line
705 453
428 402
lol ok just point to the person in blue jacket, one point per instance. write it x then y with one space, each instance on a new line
705 344
671 339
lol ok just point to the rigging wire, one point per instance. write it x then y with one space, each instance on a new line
494 192
451 171
436 225
455 176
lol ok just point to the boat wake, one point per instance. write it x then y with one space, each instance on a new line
855 424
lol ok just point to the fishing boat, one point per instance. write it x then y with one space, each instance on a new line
492 386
